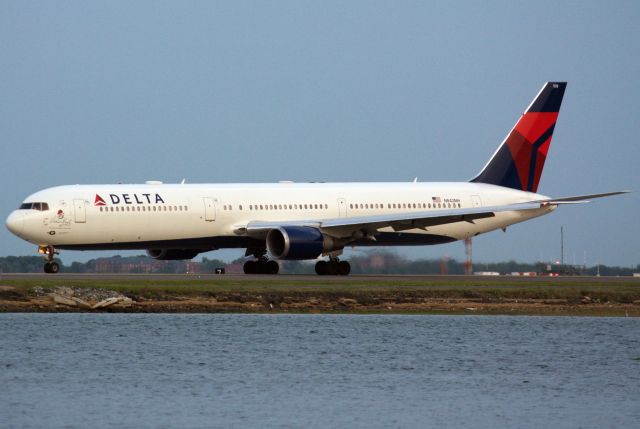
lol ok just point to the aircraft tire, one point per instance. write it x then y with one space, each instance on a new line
344 268
51 268
331 268
321 268
250 267
272 267
55 268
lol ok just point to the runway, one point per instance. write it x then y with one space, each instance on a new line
289 278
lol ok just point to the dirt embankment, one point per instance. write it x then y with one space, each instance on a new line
14 299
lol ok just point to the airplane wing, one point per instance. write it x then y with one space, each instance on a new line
369 225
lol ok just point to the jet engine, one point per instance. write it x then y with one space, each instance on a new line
299 242
172 254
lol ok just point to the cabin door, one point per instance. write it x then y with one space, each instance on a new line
79 211
209 209
475 201
342 207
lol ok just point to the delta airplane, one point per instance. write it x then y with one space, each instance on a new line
296 221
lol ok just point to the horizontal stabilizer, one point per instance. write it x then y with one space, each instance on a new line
578 198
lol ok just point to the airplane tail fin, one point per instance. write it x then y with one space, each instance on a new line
519 160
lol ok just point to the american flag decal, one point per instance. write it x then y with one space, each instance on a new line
436 199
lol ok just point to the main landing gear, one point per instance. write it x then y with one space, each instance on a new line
333 267
49 252
260 265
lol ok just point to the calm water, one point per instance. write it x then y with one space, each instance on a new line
117 370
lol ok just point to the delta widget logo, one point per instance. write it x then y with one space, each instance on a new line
99 201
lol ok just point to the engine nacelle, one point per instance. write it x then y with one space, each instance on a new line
172 254
298 242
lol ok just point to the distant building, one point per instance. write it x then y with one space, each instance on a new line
486 273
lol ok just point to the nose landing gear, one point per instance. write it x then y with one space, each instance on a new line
49 252
333 267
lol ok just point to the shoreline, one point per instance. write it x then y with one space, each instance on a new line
434 306
203 307
310 295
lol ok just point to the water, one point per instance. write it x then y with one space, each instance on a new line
136 370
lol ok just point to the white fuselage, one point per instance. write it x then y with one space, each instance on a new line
210 216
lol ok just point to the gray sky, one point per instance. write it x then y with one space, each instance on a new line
107 92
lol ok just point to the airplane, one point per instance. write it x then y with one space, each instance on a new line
300 221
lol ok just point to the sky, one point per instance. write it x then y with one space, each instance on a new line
262 91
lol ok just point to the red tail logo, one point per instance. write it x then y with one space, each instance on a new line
99 201
529 144
518 162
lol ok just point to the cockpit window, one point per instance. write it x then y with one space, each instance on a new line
34 206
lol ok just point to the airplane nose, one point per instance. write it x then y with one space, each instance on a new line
15 222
